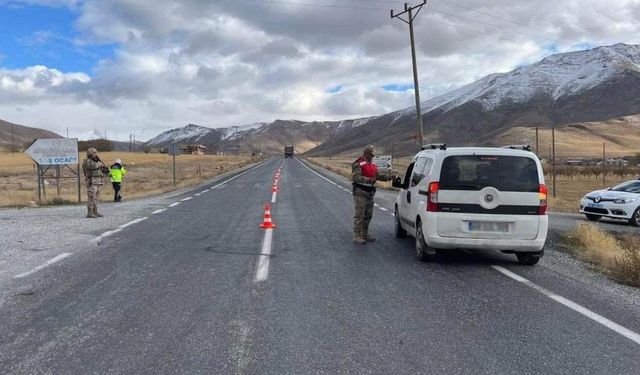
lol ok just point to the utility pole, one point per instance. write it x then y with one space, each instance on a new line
537 143
134 143
604 164
130 147
13 144
409 11
553 157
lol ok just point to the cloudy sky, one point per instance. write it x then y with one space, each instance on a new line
142 66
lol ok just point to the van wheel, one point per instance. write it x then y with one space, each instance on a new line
398 230
635 219
528 259
422 249
593 217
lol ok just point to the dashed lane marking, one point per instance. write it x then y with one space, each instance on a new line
132 222
186 199
382 208
262 269
175 204
633 336
274 197
44 265
158 211
105 235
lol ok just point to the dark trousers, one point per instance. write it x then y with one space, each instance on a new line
117 186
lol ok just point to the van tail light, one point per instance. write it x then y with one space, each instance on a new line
542 193
432 197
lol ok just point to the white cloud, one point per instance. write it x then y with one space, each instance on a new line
230 62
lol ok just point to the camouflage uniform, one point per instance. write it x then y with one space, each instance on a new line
364 189
94 171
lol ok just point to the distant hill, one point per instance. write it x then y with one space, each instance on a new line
15 137
269 138
586 86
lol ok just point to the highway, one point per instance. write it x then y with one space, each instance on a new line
177 291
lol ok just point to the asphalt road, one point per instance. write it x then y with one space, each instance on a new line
176 293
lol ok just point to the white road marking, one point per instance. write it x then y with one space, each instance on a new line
382 208
318 174
186 199
205 191
175 204
105 235
136 221
158 211
274 195
633 336
44 265
197 194
241 174
262 270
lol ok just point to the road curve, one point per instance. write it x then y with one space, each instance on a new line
176 292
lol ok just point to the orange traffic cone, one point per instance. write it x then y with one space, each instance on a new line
267 224
275 188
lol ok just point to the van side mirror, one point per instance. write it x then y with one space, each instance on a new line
397 183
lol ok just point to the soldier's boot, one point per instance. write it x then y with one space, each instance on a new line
95 212
358 238
90 214
370 238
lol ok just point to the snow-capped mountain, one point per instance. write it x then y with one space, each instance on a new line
263 137
190 134
585 86
557 76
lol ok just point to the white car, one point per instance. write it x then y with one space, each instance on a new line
474 198
619 202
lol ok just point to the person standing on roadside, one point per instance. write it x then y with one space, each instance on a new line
364 175
94 171
117 172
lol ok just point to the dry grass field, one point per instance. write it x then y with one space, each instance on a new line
568 194
618 257
148 174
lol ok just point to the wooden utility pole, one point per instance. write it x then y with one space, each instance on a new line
537 143
13 144
411 16
553 158
604 164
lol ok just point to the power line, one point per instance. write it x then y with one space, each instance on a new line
312 4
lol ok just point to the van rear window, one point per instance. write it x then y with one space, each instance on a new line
475 172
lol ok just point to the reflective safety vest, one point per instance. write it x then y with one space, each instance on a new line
117 173
369 169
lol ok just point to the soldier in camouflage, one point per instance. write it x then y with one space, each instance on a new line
364 174
94 171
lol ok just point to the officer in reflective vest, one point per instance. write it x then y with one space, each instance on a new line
117 171
364 174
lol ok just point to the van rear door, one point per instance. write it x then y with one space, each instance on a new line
489 196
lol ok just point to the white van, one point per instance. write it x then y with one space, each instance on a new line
474 198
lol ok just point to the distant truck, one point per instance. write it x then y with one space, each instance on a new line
288 151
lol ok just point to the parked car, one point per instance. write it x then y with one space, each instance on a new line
619 202
474 198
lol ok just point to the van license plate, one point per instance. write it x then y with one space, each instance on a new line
595 205
484 226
